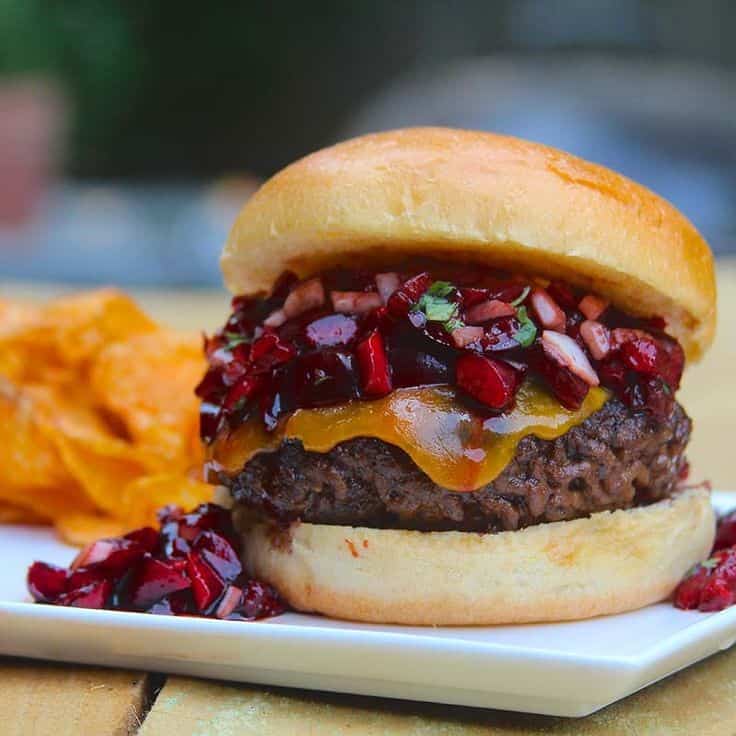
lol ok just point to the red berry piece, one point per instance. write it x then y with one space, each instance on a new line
407 295
269 351
500 335
641 355
689 591
320 379
259 601
146 536
95 595
46 582
207 585
220 555
85 576
114 556
374 367
154 580
563 295
470 296
726 532
491 382
569 389
716 595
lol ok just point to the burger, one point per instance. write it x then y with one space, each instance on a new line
447 390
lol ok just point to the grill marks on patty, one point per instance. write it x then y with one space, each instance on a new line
614 460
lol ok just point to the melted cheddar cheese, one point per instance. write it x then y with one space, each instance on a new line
456 448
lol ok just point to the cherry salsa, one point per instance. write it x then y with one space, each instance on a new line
711 585
190 566
354 335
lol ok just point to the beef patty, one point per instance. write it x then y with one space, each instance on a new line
614 460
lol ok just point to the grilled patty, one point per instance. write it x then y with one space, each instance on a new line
616 459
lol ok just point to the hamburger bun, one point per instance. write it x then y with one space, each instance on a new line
607 563
483 198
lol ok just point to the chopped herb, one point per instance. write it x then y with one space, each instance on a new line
527 332
519 299
454 324
234 339
437 308
440 288
667 388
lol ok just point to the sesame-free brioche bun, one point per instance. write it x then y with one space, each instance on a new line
483 198
607 563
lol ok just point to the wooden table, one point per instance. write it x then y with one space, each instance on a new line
41 698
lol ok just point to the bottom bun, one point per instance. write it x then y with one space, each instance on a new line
608 563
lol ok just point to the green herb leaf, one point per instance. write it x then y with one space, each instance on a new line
527 332
453 325
438 309
436 306
519 299
234 339
710 563
440 288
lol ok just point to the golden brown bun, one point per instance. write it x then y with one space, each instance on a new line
608 563
484 198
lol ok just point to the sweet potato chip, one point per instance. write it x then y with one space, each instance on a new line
148 382
81 529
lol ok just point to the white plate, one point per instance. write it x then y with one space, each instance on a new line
568 669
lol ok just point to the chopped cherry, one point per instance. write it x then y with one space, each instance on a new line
711 585
726 532
94 595
155 579
407 295
219 553
374 368
184 568
298 349
146 536
562 294
113 555
569 389
491 382
207 585
259 601
46 582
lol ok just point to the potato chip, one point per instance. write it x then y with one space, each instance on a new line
144 496
64 336
98 419
10 514
148 381
81 529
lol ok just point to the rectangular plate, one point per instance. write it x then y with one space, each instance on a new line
567 669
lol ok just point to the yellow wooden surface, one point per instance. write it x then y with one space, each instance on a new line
63 700
700 700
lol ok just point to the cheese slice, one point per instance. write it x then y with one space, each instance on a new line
455 447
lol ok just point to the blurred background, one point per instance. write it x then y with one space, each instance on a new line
132 132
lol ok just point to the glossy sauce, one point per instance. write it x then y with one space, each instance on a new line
455 447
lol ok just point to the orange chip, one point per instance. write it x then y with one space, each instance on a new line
98 418
81 529
66 334
10 514
148 381
144 496
29 458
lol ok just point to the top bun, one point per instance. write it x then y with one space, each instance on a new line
482 198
